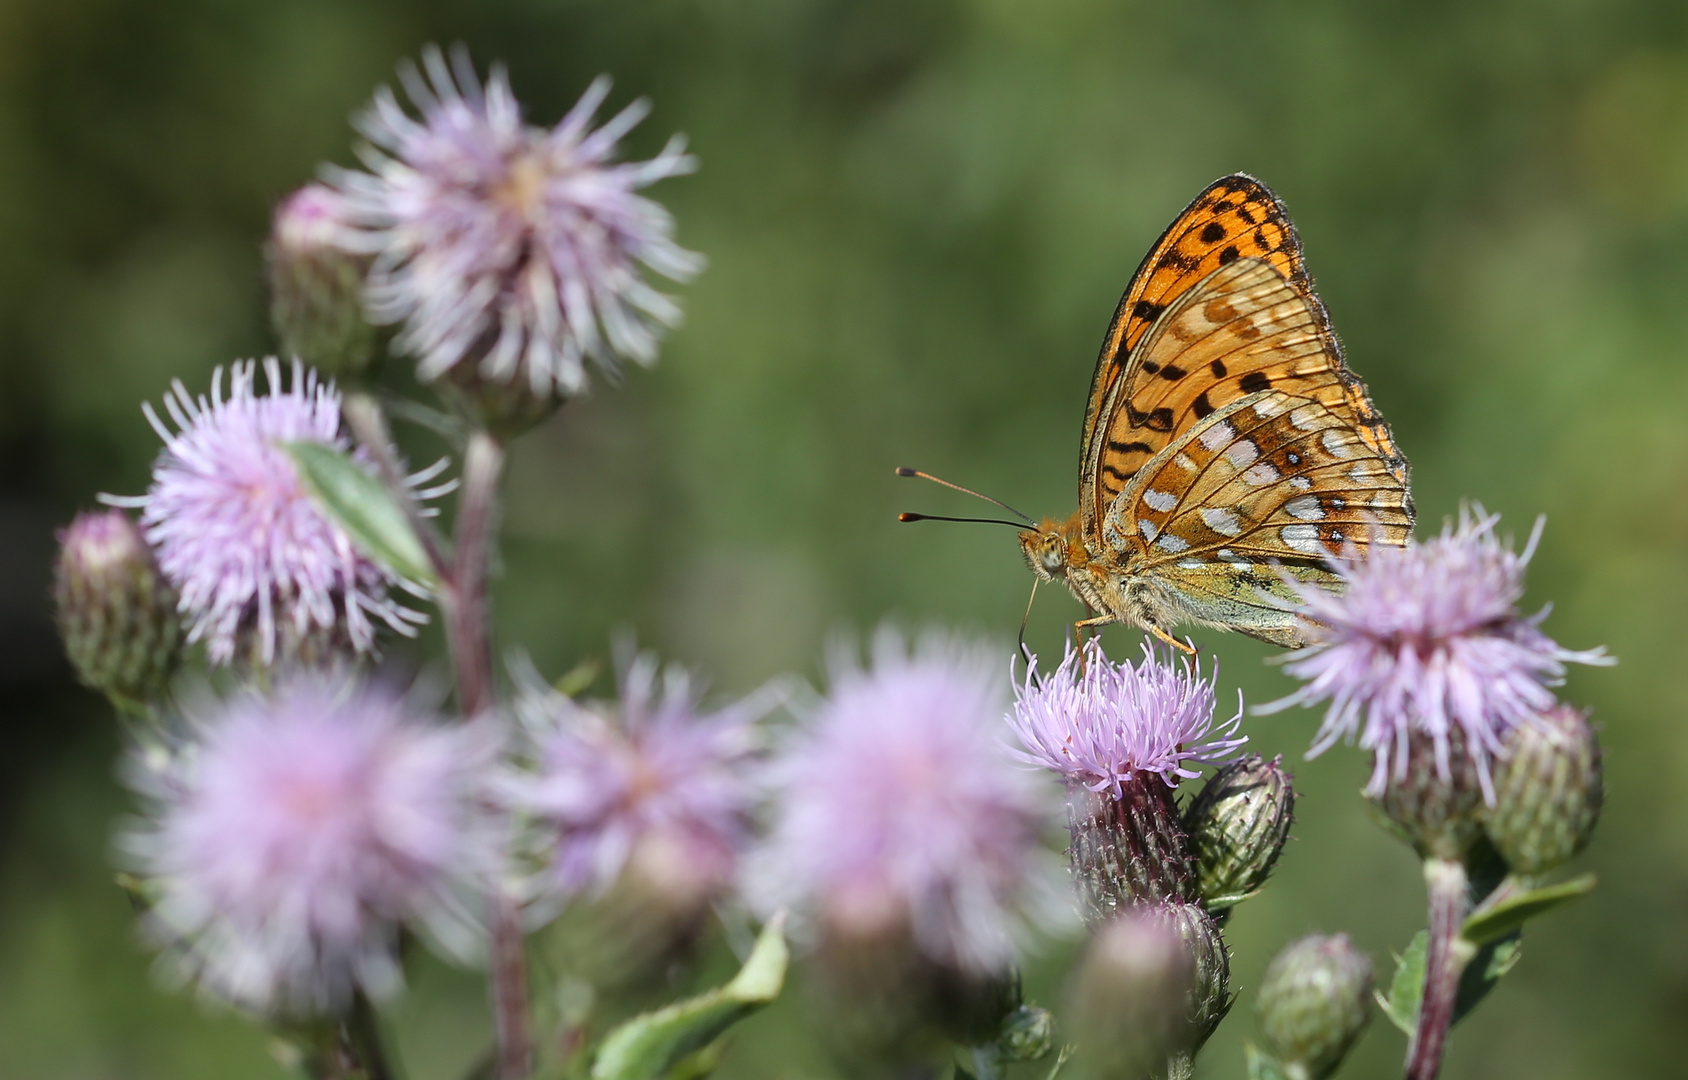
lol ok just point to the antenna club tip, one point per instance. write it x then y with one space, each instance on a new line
904 470
906 516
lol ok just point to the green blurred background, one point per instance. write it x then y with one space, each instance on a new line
919 216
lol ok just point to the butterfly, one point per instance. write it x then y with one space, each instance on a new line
1227 446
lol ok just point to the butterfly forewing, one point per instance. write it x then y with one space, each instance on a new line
1240 330
1233 218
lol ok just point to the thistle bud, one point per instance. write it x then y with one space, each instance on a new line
1548 791
1027 1034
1210 995
1435 803
1128 849
1237 827
116 613
316 285
1129 998
1315 1000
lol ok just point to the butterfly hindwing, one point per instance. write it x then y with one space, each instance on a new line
1271 484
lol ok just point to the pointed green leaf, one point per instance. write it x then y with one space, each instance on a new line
1479 977
1485 926
363 506
1406 989
1261 1065
648 1046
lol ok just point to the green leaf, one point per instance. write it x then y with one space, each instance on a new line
1479 977
647 1047
1510 914
1406 989
1261 1065
363 506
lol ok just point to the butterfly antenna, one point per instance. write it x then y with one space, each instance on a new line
904 470
907 516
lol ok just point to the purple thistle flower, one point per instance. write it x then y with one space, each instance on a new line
293 837
649 782
1427 637
1102 725
259 569
900 811
511 247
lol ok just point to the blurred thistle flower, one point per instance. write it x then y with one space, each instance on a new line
650 783
1123 736
316 285
116 613
510 249
900 815
293 837
1315 1001
1428 638
263 574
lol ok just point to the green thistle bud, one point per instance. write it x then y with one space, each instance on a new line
1210 995
1237 828
1548 791
1315 1000
316 286
1027 1034
1438 813
116 613
1128 999
1128 850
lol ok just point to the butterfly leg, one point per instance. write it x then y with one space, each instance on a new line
1182 646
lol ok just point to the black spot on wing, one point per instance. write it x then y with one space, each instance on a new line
1254 382
1129 447
1247 215
1213 233
1160 419
1201 406
1218 367
1229 255
1147 310
1176 260
1171 372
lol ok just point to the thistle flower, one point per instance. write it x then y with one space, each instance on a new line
261 572
1103 725
899 814
1425 638
1123 736
293 837
650 781
507 248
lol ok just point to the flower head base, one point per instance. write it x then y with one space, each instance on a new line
650 782
291 841
1102 724
900 814
261 572
1425 638
507 248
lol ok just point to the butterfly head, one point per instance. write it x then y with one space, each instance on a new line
1054 548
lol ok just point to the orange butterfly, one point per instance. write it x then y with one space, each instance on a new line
1226 443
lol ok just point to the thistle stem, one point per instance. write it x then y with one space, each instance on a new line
363 1031
463 600
1445 881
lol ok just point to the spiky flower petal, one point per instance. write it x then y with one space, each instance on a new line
512 250
1428 638
1104 724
